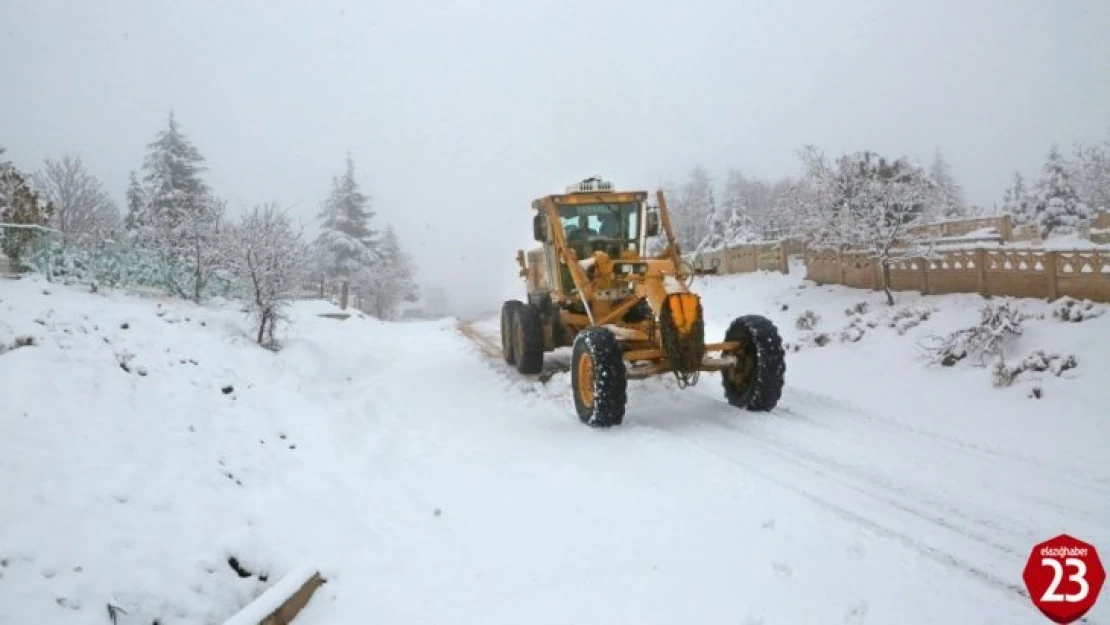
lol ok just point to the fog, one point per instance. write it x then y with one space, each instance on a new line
458 114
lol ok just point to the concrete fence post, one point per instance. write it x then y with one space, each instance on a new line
1006 232
981 270
1051 263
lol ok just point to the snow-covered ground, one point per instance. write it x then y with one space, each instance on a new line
430 483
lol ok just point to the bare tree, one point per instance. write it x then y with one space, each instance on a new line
83 210
267 256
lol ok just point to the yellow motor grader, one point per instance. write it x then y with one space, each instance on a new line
627 314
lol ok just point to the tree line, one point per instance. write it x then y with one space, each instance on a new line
175 233
856 199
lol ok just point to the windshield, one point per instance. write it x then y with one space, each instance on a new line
616 222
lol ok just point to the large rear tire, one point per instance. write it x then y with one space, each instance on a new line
598 378
508 315
755 381
527 340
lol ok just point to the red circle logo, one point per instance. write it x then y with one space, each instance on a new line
1064 576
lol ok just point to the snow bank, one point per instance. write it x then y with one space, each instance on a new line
885 370
146 442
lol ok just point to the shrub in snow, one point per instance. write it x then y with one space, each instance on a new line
860 308
905 318
1072 310
817 339
807 320
1003 374
1037 362
20 341
998 325
1057 364
853 333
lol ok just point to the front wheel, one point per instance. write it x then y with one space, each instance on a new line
755 381
598 377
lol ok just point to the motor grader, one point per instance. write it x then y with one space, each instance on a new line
627 314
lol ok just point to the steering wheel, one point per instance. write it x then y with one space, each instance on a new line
598 243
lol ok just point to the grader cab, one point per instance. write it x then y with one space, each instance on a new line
626 314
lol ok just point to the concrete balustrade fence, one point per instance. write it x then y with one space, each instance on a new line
1081 274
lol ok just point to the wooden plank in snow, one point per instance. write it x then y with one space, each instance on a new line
281 602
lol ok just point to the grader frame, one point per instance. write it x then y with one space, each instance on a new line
628 315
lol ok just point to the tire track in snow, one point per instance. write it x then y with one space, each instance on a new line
1084 488
936 554
1096 484
490 349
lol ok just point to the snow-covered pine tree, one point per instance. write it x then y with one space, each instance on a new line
692 210
1092 175
948 201
734 196
715 233
347 245
739 229
135 204
172 177
1017 203
728 230
84 213
267 255
1057 206
391 281
179 220
21 211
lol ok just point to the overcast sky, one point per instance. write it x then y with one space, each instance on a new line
459 113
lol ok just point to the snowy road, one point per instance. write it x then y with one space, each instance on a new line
820 512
